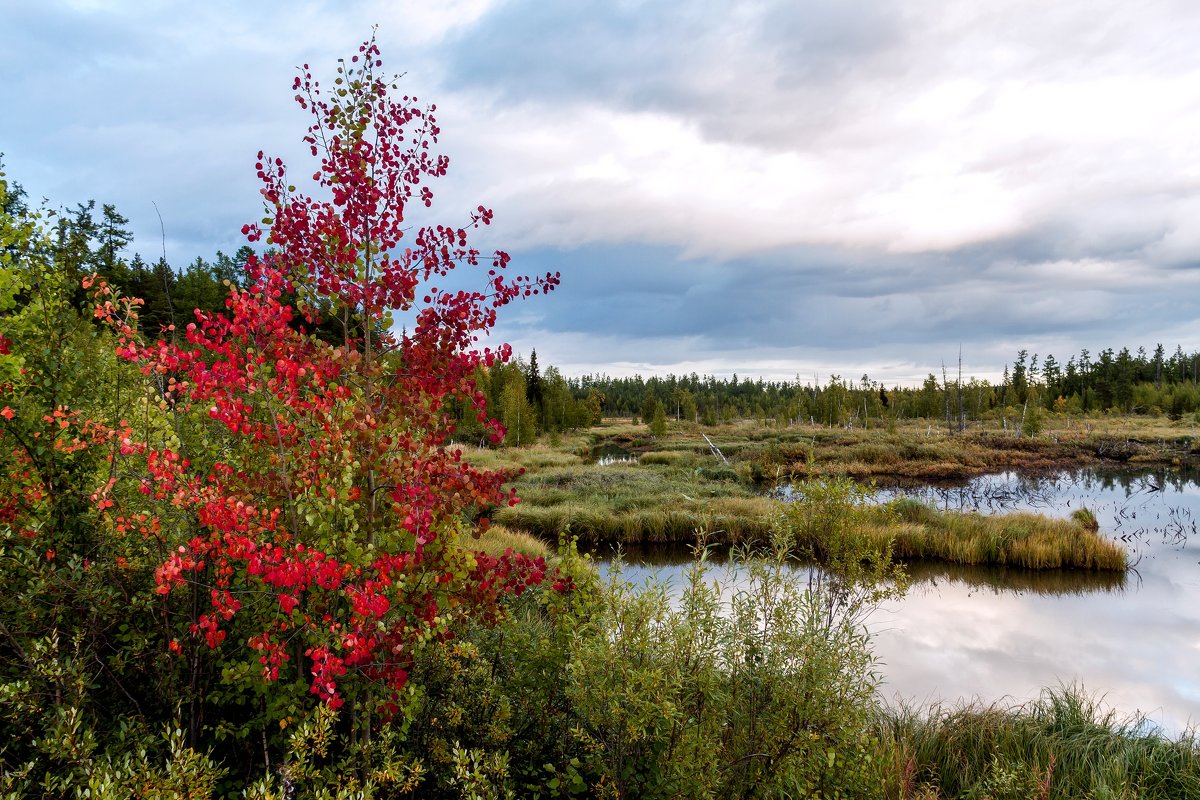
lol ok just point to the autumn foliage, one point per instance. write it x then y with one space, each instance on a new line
337 502
319 496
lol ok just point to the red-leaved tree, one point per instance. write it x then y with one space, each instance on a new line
326 500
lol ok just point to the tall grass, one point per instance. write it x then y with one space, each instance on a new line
1030 541
723 521
1065 744
679 489
641 504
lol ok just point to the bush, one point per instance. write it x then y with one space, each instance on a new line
758 686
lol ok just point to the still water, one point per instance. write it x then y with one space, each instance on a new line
963 633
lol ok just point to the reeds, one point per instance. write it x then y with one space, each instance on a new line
1065 744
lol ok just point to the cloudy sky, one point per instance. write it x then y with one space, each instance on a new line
769 188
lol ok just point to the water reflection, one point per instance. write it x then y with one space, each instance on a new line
607 454
954 639
1000 580
971 636
992 633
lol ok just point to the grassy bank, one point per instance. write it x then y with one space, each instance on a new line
712 482
923 452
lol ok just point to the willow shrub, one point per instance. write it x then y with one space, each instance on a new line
757 684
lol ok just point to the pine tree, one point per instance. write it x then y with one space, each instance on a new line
658 419
533 382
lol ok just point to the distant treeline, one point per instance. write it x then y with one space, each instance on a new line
530 401
1115 382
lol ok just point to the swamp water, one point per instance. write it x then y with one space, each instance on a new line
1003 634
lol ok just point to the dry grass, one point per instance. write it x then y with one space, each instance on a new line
1028 541
570 451
498 539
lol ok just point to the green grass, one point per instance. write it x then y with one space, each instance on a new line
1065 744
637 504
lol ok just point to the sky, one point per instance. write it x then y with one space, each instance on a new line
787 189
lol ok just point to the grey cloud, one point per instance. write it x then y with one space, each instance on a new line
759 72
829 302
156 106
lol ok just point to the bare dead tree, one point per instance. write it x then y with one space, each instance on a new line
946 399
962 417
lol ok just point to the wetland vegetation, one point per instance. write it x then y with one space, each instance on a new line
246 558
724 484
1066 743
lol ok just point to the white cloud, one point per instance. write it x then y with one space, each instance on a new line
914 160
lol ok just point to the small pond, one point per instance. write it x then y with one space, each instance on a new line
608 454
995 633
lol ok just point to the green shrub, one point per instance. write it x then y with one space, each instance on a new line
758 686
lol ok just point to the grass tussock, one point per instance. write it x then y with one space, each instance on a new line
1028 541
498 539
1086 519
1065 744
